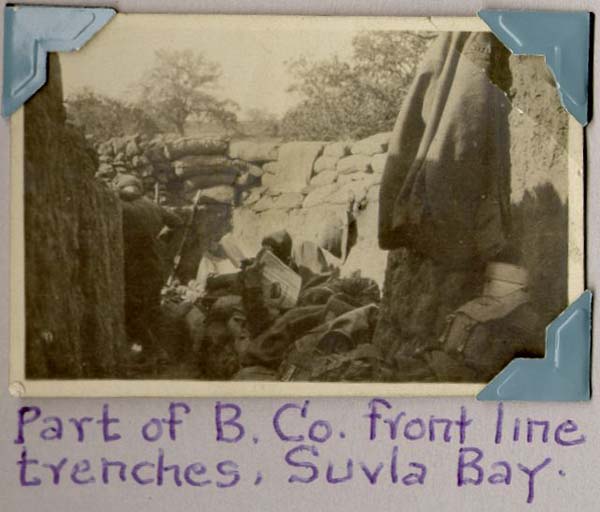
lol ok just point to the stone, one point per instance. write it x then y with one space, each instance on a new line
253 151
105 159
320 195
372 145
252 196
337 149
289 201
265 203
324 178
378 162
271 182
325 163
354 163
271 167
355 190
296 160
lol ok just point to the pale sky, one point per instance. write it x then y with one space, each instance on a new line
251 51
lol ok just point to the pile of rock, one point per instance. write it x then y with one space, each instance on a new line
174 169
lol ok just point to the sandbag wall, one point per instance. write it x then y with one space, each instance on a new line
255 187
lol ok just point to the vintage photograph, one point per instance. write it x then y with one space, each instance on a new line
289 200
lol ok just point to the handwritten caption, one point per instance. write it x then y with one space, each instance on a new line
304 439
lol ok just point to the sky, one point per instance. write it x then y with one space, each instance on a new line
252 53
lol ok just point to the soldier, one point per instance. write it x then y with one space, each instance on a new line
143 223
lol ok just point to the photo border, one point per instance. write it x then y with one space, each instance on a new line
20 386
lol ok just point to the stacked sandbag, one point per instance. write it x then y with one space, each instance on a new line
173 168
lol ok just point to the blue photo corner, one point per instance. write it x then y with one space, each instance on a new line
564 372
563 38
30 32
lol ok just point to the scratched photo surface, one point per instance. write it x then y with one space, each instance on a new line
276 200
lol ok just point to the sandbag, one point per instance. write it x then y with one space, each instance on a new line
187 146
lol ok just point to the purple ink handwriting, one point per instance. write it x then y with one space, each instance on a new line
307 446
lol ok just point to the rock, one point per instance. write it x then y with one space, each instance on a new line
296 160
131 149
252 151
119 159
337 149
135 162
325 178
195 146
372 145
271 182
190 166
320 195
355 190
271 167
378 162
354 163
265 203
253 196
325 163
121 169
105 159
289 201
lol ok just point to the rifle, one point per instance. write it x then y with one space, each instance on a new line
186 232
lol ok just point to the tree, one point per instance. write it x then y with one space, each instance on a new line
259 123
177 88
101 117
357 98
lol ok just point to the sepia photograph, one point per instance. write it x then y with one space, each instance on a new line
260 205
